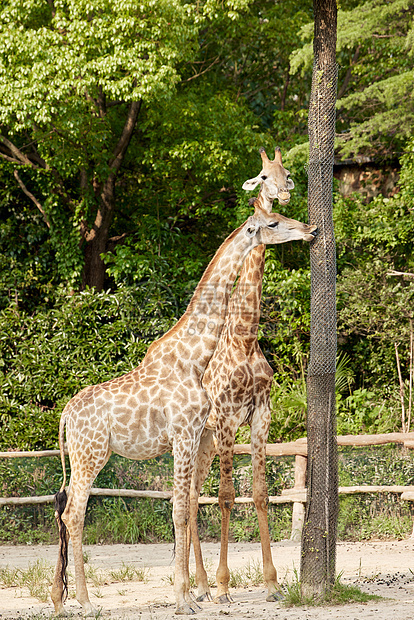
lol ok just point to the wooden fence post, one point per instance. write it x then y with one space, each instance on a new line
298 514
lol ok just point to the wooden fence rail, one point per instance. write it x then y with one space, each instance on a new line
291 448
296 495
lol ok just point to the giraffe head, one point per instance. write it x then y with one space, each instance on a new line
273 228
274 180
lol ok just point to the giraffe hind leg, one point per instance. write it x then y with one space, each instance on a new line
82 476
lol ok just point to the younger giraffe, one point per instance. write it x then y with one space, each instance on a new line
238 381
159 406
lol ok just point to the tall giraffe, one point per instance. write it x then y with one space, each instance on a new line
158 406
238 381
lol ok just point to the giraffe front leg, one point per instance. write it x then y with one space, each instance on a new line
181 514
205 455
226 503
260 498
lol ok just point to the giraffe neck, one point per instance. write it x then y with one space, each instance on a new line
263 200
197 332
243 313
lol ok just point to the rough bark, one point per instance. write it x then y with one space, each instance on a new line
319 532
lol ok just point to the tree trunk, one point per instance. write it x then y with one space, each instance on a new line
94 268
97 238
93 275
319 533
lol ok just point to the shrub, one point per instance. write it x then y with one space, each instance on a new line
84 339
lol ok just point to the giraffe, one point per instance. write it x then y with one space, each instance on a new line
159 406
238 381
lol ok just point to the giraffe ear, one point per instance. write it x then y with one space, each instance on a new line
251 183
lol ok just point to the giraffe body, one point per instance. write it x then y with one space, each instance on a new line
238 380
159 406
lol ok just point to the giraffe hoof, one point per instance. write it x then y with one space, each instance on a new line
185 610
89 611
193 602
274 597
223 599
204 597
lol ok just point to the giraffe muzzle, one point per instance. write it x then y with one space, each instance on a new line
312 234
283 197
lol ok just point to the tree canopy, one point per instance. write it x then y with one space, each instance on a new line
74 77
126 133
375 49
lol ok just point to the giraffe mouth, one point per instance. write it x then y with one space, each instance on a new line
312 234
283 198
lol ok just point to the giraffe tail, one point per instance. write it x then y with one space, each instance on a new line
61 499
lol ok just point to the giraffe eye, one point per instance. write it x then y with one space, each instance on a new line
264 177
273 225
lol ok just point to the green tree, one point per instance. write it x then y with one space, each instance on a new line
375 290
74 78
251 55
375 50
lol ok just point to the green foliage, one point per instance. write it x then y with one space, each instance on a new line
58 60
251 54
27 269
129 522
361 413
375 305
84 339
356 413
286 313
107 519
375 84
29 524
368 516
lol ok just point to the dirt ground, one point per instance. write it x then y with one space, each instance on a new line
383 568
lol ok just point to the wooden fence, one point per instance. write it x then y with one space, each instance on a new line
295 495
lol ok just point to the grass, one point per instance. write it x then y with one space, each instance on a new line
38 578
339 594
249 575
130 573
95 576
169 580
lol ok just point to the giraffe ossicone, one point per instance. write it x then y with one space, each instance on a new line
159 406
